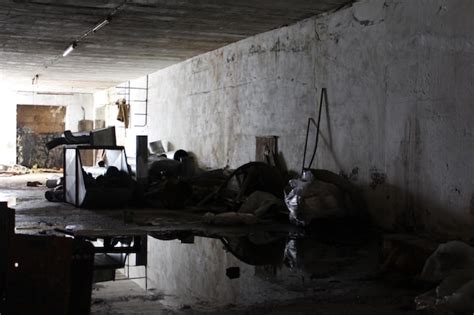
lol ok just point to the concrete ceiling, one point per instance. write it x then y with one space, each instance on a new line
142 37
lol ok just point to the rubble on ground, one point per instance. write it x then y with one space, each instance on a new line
14 169
451 266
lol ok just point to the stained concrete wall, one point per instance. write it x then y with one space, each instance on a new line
399 76
10 99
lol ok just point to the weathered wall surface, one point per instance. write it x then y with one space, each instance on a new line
36 126
8 120
399 76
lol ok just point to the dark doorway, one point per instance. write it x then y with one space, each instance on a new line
37 125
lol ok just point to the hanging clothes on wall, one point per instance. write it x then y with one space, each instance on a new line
123 112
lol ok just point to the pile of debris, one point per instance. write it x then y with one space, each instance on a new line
16 169
254 192
450 270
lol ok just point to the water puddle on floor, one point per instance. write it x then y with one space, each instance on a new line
262 268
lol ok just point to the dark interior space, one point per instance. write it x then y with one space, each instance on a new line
251 157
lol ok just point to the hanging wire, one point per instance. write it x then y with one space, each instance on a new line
317 125
56 58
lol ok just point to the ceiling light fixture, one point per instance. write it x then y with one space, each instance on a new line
70 48
101 24
74 43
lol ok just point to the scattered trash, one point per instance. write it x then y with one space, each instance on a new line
113 189
207 183
14 169
452 266
177 155
312 199
293 197
447 260
263 205
34 184
55 195
53 182
170 193
405 253
163 168
321 194
156 147
241 183
56 189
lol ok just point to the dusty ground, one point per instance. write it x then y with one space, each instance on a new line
360 289
355 297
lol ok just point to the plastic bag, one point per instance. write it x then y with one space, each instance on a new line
294 196
310 199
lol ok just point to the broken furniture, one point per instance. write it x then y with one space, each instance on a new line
112 252
77 189
116 253
105 136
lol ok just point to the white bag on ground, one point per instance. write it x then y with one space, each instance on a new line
452 264
310 199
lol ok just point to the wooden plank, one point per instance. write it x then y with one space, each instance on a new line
266 149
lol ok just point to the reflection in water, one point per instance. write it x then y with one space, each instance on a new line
257 249
240 271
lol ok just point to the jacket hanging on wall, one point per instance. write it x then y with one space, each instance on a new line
123 112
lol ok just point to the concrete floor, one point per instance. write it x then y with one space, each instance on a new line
331 278
343 280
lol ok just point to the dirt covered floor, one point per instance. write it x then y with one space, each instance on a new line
193 268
